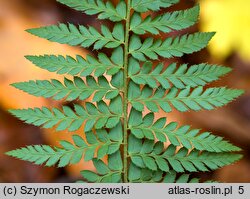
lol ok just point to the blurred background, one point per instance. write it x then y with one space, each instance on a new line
230 47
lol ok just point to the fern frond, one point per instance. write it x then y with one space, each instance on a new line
104 10
95 116
71 153
79 65
137 146
181 77
171 177
111 173
153 156
70 89
166 23
146 127
171 47
85 37
182 100
141 175
153 5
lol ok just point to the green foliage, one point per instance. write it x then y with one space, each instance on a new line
138 175
145 127
111 173
94 116
182 100
71 89
80 66
167 22
71 153
104 10
154 5
85 37
153 156
120 86
171 47
180 77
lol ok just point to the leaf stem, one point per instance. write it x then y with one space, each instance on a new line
125 96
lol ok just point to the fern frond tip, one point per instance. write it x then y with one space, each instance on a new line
35 31
13 112
9 153
29 57
195 12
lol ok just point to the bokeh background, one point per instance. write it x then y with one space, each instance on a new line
230 47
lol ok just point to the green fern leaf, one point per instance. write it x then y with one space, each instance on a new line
138 147
142 175
182 100
70 89
97 117
111 173
70 153
82 36
145 127
181 77
153 156
167 22
171 47
154 5
104 10
171 177
184 178
80 66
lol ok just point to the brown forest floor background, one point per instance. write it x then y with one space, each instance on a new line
232 121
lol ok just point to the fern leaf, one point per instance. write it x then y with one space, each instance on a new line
171 47
124 144
104 10
71 153
181 77
97 117
70 89
171 177
141 175
153 5
82 36
79 65
145 127
153 156
182 100
166 23
184 178
110 173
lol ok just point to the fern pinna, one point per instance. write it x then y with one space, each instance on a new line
119 122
